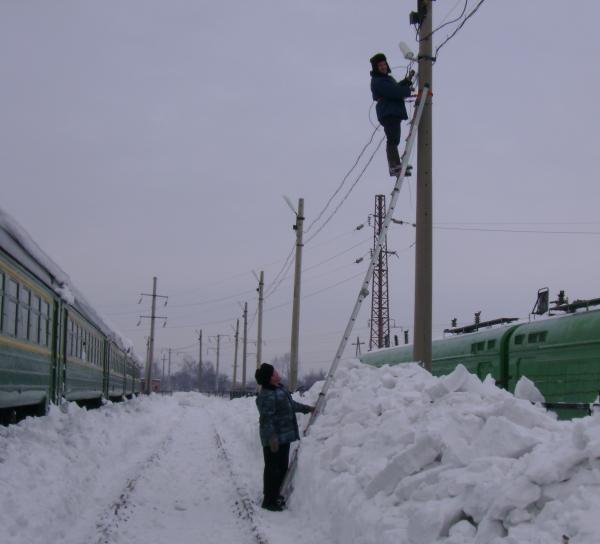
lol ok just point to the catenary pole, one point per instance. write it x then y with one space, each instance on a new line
245 346
261 284
235 356
423 260
218 354
298 227
200 360
151 343
170 388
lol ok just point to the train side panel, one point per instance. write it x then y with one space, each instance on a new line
27 364
561 356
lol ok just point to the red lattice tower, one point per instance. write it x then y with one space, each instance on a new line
380 300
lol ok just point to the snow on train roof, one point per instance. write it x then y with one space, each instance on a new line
20 244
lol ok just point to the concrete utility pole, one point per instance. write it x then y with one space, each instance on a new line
423 261
218 354
261 284
235 356
298 227
199 360
170 387
153 317
162 378
151 346
245 346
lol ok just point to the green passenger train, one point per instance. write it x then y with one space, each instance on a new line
53 345
560 354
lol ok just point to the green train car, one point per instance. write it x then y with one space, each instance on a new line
560 354
53 345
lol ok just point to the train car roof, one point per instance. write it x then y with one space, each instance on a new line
17 243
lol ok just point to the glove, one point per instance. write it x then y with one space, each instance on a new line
273 444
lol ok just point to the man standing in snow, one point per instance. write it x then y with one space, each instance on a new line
278 429
390 108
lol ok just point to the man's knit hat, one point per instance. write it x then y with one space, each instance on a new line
263 374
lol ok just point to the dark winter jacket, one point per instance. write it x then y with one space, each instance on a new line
389 95
277 415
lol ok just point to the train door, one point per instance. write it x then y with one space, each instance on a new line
59 342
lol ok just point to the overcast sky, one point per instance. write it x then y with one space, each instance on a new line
143 138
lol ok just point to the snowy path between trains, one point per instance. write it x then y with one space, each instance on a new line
397 456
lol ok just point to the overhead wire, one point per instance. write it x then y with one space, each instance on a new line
449 22
332 215
455 31
341 185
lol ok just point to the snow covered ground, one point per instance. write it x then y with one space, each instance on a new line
398 456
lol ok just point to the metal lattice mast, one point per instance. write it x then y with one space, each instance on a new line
380 300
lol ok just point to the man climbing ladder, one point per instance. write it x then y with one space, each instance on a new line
286 486
390 108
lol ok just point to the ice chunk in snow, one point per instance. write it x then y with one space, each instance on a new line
411 460
458 380
515 494
501 437
526 390
431 520
388 380
462 529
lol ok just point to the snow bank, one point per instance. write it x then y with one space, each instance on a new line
401 456
58 472
397 456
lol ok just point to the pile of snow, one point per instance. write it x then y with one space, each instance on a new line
396 456
401 456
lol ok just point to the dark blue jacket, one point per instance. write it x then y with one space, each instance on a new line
277 412
389 95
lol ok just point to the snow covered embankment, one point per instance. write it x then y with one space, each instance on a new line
401 456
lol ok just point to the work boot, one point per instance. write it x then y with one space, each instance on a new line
272 506
395 171
393 159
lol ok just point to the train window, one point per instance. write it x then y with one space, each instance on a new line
84 345
519 339
11 288
479 346
491 344
45 321
536 337
43 330
78 341
34 326
9 323
69 346
23 313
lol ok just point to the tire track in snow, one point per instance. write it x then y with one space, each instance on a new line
244 506
118 512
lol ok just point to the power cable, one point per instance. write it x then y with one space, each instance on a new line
520 231
449 22
339 188
467 17
324 224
